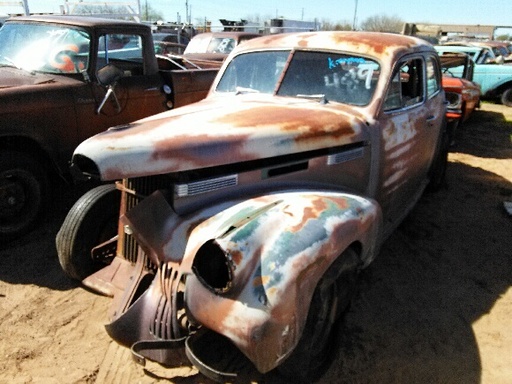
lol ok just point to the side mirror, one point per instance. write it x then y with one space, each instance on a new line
108 76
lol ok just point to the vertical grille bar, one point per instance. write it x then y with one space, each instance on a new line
141 187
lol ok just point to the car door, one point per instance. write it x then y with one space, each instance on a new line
412 116
136 94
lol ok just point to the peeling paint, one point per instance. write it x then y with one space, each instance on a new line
247 255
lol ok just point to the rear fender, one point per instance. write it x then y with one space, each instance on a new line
254 266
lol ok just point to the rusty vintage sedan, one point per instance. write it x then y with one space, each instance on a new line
245 218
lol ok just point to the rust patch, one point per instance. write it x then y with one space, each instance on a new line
378 42
202 150
311 212
341 203
303 42
236 256
311 123
259 281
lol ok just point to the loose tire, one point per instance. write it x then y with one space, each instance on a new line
23 193
506 97
92 220
331 299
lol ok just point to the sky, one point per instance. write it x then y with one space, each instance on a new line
484 12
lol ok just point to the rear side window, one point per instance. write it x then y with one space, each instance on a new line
433 78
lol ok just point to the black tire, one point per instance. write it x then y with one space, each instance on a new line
23 193
330 301
506 97
92 220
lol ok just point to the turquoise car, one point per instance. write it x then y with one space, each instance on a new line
495 79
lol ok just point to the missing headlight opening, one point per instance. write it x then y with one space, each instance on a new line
212 267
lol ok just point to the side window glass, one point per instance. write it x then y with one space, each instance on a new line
394 95
433 83
122 50
406 87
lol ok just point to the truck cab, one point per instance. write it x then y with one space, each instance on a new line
64 79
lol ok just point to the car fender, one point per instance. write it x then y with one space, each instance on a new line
275 249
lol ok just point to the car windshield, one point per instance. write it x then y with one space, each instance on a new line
44 48
344 78
211 44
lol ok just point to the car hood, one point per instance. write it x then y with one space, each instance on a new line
14 77
452 82
219 131
458 84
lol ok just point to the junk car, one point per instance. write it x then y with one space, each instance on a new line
64 79
245 218
462 93
170 43
209 49
495 79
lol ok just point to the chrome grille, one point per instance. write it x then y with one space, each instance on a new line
344 156
203 186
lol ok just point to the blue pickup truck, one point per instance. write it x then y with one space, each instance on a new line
495 79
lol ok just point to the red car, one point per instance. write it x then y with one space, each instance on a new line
462 93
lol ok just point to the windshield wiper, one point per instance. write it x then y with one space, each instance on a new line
10 62
319 96
241 90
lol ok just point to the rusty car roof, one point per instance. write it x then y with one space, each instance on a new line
374 44
80 21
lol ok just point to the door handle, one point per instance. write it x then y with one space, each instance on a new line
430 120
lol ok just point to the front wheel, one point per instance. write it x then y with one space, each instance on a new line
331 299
506 97
91 221
23 193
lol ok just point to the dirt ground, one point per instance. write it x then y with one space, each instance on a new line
434 307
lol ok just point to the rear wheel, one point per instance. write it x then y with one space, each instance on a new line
506 97
331 299
91 221
23 193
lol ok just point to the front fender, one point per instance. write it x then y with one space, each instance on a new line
275 249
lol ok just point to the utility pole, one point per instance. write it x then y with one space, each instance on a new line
188 13
23 3
355 18
25 7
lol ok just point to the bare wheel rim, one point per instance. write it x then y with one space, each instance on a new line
20 199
